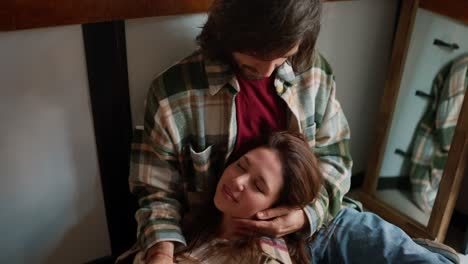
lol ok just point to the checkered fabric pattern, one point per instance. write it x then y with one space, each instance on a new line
434 133
189 131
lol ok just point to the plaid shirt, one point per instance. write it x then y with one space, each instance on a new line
190 130
433 136
272 251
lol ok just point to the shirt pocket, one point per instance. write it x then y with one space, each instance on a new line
309 133
203 169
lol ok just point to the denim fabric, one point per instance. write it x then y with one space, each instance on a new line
360 237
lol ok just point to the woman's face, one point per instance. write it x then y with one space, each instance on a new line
250 185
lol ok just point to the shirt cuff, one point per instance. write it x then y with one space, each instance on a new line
170 236
313 221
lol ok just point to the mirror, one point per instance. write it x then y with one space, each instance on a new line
421 149
426 113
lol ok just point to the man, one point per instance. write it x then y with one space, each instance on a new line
256 72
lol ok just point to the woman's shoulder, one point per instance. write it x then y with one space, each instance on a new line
274 250
201 254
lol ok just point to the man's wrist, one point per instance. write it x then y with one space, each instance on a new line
159 253
306 230
164 248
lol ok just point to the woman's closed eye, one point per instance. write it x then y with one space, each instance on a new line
239 165
257 187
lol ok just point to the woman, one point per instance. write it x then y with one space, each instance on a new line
281 172
284 172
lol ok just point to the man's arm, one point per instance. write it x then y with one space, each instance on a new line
155 179
331 147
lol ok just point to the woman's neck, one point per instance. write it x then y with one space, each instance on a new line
227 228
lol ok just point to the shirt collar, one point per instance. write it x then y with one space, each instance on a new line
219 74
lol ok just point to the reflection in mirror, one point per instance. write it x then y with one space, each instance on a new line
426 113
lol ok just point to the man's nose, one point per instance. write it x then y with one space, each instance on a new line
266 69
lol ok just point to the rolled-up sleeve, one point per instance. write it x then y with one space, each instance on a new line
155 179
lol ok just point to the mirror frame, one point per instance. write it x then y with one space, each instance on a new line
457 156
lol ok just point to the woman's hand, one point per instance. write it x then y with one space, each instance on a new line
161 253
275 222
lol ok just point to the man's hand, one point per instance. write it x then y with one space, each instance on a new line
275 222
161 253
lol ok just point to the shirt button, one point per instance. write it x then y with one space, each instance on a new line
279 87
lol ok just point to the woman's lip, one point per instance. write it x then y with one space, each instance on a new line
228 193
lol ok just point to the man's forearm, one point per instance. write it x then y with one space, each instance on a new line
165 248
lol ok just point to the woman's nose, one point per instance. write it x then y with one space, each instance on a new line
239 182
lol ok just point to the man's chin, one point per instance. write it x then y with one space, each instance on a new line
254 77
257 78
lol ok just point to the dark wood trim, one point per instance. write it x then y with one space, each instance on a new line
390 94
106 62
458 223
464 247
456 9
452 177
357 179
25 14
399 182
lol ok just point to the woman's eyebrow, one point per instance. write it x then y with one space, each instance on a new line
247 161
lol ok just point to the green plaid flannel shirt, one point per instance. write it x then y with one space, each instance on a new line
190 129
271 251
433 136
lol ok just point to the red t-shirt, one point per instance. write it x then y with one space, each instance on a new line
260 111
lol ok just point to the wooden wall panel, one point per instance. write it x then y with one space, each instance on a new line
7 8
23 14
456 9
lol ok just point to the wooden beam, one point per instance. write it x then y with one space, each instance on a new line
456 9
24 14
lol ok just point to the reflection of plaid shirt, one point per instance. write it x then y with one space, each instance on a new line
434 133
190 130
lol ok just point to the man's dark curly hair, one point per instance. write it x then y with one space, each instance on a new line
263 28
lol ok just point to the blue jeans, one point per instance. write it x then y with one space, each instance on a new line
359 237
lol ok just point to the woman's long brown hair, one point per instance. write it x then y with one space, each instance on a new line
302 182
264 28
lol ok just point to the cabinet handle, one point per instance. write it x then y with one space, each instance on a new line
441 43
402 153
423 94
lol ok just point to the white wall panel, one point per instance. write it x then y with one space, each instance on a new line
51 206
